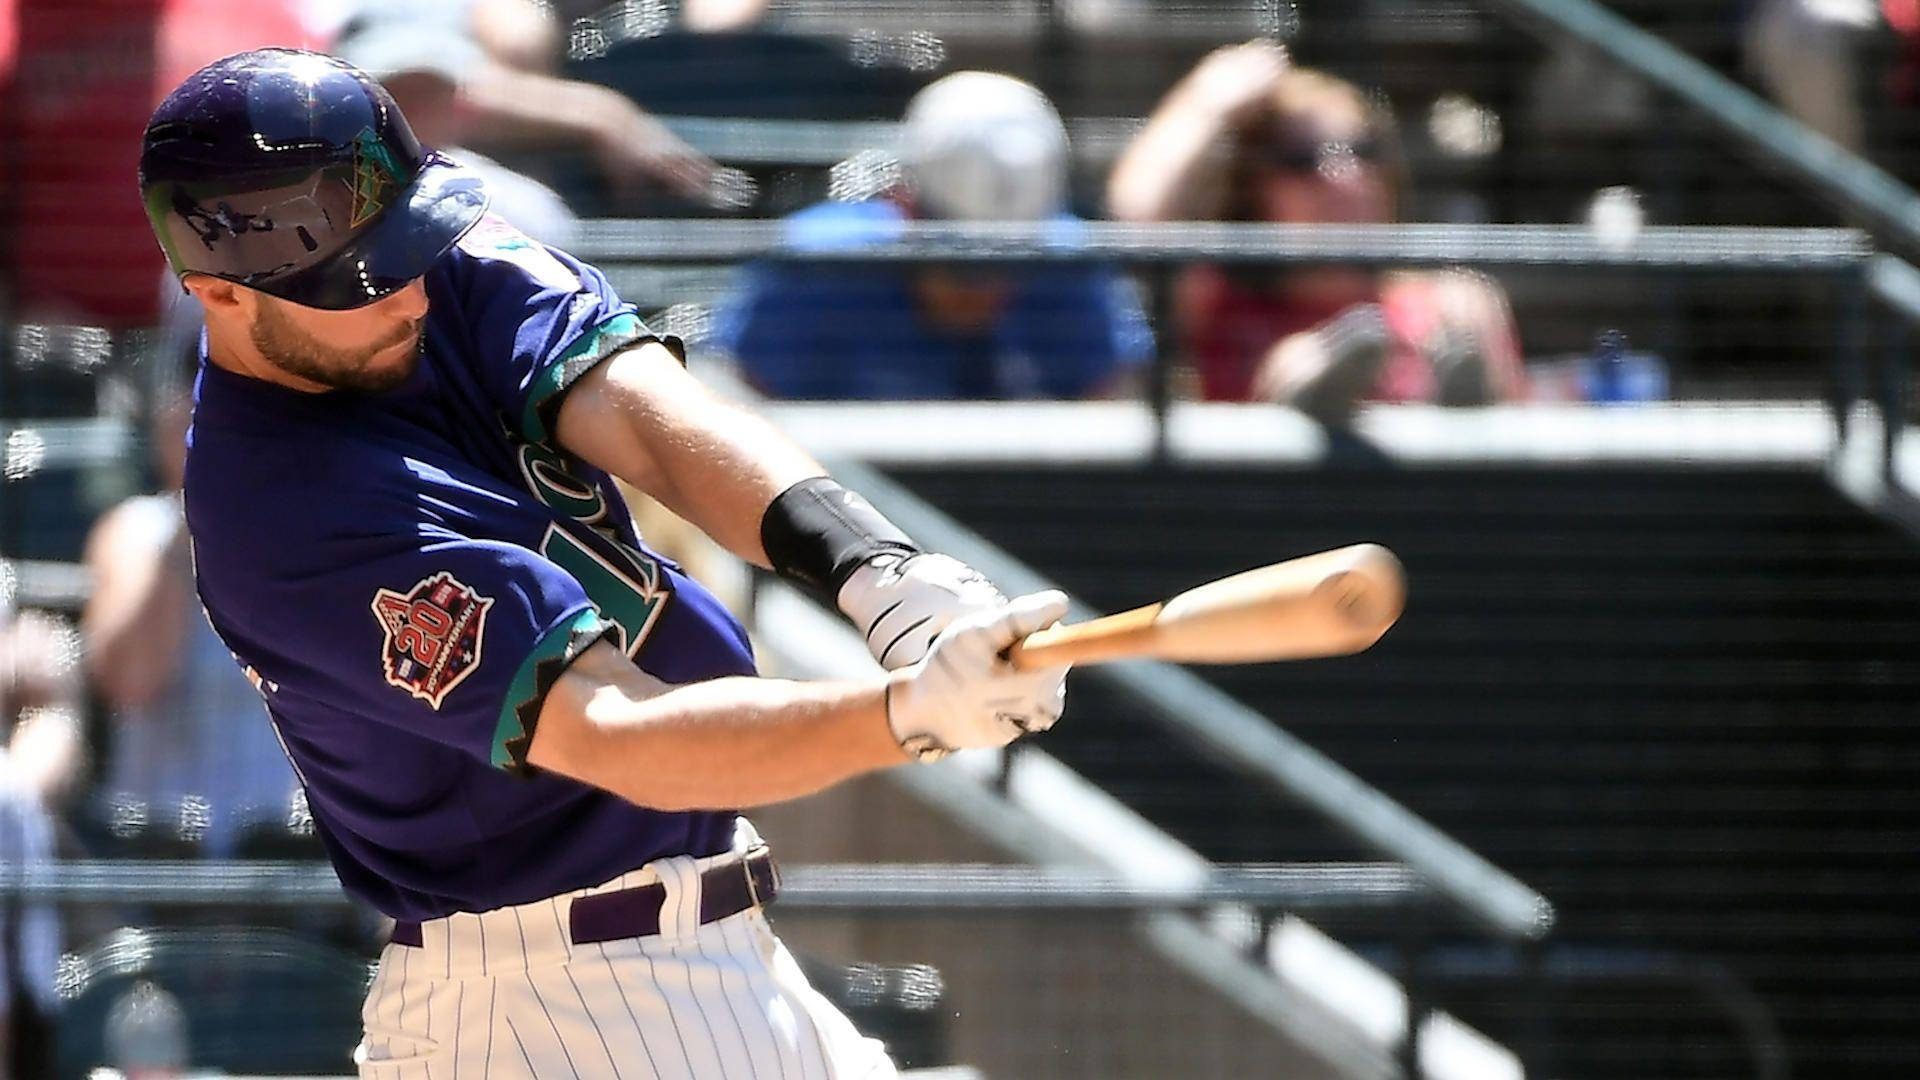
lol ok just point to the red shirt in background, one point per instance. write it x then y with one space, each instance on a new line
85 77
1229 326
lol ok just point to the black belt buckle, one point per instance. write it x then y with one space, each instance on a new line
761 856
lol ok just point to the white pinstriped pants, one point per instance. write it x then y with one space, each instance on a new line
505 995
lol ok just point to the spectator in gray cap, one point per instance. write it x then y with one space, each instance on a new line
974 146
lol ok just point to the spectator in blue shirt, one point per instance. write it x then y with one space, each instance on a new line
974 146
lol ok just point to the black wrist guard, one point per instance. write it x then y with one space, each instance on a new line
817 532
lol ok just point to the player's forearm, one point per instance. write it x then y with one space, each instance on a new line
725 467
727 743
641 417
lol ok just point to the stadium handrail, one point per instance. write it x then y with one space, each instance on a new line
1716 248
1342 886
1897 284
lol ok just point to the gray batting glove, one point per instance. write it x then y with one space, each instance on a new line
965 694
902 604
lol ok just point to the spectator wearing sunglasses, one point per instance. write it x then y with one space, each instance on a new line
1246 136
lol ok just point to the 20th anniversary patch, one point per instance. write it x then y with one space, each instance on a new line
433 633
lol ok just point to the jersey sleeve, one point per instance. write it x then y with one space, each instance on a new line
448 638
537 320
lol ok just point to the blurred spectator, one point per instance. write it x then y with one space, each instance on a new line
537 25
1248 137
514 102
193 762
975 146
39 704
29 939
737 58
1808 55
523 34
424 74
9 38
74 241
36 758
1903 78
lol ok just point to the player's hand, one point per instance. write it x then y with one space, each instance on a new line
902 604
965 694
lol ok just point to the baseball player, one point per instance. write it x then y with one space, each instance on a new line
523 735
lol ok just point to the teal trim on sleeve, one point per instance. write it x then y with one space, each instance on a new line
544 662
591 347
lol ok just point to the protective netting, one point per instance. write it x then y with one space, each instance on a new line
1455 276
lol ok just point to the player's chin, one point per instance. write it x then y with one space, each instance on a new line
385 369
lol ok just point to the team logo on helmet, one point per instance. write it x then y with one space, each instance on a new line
375 176
432 635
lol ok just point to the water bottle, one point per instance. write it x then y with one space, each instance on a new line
1614 374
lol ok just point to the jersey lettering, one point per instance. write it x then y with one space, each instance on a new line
628 593
547 477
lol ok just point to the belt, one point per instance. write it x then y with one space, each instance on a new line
728 888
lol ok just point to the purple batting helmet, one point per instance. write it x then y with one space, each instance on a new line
294 173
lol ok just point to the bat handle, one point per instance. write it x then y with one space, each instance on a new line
1125 633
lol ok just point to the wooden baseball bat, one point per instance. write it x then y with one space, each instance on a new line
1330 604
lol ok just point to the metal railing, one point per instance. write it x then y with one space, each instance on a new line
1872 284
976 887
824 143
974 890
1667 248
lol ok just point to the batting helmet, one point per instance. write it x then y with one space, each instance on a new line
294 173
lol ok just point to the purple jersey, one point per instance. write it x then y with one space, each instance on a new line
403 575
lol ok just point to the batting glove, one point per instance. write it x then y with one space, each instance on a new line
902 604
965 694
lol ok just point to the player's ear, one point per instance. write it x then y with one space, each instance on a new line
214 294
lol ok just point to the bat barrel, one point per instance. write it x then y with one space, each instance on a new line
1329 604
